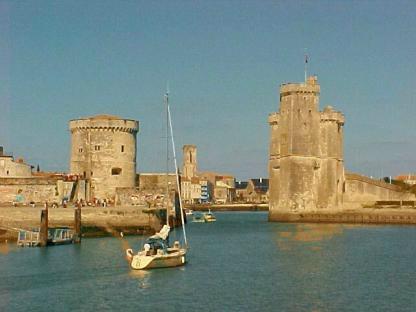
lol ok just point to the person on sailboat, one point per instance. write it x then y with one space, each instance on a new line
160 240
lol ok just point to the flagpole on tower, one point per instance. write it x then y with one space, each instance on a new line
306 66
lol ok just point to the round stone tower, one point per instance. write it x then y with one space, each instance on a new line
103 152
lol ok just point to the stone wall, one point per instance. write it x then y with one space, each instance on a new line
361 191
36 190
156 181
14 169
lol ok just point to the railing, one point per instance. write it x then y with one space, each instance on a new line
28 239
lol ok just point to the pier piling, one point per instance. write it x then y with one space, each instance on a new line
77 225
43 233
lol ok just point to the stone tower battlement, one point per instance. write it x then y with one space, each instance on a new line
329 114
104 123
311 86
103 151
306 152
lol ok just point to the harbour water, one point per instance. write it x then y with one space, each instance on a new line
239 263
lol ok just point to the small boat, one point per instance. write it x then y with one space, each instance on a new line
209 217
156 252
198 217
60 236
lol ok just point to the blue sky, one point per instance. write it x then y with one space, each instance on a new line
224 60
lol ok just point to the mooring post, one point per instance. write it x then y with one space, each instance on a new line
77 224
43 232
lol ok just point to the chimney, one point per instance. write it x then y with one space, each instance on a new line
1 150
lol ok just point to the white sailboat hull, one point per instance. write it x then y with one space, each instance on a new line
174 258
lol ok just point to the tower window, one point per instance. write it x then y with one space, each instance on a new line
115 171
80 150
122 148
97 147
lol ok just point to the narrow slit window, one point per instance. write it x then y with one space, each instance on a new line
122 148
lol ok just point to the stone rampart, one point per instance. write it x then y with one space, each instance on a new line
26 190
361 191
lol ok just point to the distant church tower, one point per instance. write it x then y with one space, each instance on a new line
306 166
189 161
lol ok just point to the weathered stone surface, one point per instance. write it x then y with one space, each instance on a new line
306 162
306 165
103 151
34 189
110 219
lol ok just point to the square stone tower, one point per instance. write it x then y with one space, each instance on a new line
306 167
189 161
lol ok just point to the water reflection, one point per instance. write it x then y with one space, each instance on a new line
4 249
143 278
308 233
310 255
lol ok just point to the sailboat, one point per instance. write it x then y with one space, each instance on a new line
156 252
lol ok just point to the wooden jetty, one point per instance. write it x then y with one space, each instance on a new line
28 238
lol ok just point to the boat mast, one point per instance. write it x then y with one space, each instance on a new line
177 175
167 155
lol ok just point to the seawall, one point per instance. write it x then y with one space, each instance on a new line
364 216
229 207
96 221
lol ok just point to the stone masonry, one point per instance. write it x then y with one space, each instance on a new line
306 164
103 152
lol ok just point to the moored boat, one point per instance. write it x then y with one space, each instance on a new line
60 236
209 217
198 217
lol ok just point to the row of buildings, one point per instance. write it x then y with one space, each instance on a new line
220 188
